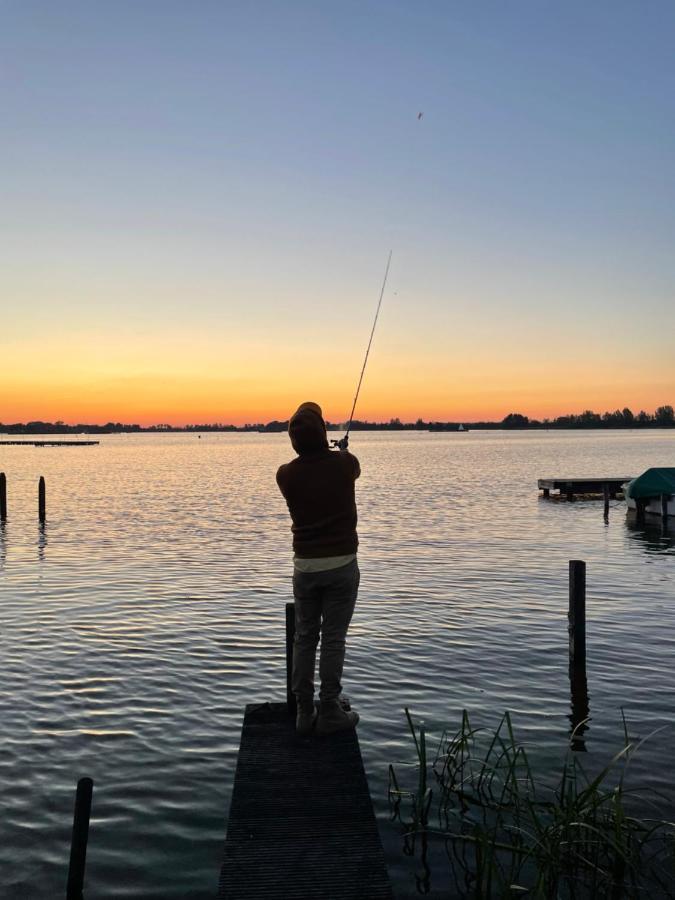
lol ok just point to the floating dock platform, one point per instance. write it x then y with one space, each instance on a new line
301 823
52 443
570 486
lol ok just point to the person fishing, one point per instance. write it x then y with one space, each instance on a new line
318 487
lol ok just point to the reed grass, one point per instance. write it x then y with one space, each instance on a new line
506 834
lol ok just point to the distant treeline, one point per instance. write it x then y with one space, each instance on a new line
663 417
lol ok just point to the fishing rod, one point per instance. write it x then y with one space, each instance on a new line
342 443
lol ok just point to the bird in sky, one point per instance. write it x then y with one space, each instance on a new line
419 115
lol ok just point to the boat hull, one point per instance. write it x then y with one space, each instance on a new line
653 506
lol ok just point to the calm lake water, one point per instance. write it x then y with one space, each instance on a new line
151 610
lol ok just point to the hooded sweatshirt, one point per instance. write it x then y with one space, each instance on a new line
318 488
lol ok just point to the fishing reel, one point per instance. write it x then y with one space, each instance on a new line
340 444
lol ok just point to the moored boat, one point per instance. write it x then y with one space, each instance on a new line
653 492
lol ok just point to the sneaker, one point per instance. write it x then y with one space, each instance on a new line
332 718
305 718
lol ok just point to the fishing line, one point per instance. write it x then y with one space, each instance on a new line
365 361
343 442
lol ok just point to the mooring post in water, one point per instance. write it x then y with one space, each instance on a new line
577 616
580 708
664 509
3 497
290 637
605 495
640 505
78 844
42 500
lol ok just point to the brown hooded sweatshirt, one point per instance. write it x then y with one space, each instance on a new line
318 488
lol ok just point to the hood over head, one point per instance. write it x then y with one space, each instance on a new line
307 429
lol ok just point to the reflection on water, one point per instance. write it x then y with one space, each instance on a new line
580 709
134 636
42 540
657 538
416 846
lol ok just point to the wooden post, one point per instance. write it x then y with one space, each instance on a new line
42 500
664 509
78 844
3 497
547 492
640 511
580 709
577 616
290 637
569 491
605 494
577 651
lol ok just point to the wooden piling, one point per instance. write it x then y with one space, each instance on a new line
3 497
42 500
290 637
580 709
78 844
605 496
577 616
664 509
640 506
577 652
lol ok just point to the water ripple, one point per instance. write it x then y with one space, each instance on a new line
150 610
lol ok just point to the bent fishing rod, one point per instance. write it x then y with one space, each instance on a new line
342 443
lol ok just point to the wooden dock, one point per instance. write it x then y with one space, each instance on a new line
301 823
51 443
569 487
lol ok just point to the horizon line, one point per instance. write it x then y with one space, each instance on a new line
626 415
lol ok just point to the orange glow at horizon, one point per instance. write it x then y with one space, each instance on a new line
189 378
150 400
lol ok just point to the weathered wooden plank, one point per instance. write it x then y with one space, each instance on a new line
51 443
301 821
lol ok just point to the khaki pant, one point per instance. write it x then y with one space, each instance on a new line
324 603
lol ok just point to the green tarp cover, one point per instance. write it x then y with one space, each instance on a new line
652 483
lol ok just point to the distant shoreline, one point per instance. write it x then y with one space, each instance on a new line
663 417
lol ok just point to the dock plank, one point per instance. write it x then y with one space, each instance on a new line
301 821
51 443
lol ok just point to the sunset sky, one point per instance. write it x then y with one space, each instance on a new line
197 201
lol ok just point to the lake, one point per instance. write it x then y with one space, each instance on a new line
150 610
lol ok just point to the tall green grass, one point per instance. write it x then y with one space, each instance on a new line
507 834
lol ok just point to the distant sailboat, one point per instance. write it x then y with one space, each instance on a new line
447 426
